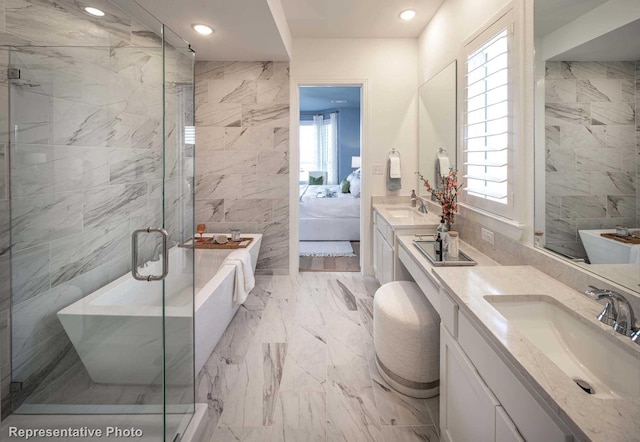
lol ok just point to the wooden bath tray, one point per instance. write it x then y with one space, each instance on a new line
623 239
209 243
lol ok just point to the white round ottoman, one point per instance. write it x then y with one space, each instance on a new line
406 338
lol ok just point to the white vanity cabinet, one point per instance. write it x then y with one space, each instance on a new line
385 245
482 397
467 405
383 250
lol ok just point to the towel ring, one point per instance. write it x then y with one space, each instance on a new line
394 152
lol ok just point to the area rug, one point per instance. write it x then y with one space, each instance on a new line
326 248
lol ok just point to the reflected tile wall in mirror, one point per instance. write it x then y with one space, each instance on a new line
592 141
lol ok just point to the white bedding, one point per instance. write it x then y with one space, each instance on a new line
343 206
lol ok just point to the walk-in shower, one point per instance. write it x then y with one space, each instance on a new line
96 142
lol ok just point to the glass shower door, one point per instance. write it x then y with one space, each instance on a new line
98 151
178 182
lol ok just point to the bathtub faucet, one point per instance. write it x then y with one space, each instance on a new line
157 251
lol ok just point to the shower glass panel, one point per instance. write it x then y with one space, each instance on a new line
178 185
97 152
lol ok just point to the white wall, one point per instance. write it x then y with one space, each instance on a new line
388 68
456 20
442 41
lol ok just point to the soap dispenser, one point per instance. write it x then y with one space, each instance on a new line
414 198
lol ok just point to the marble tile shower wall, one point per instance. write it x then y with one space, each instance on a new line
242 151
86 168
592 149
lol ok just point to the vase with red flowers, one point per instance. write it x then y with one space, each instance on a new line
446 194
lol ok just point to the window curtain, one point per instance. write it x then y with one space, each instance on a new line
327 145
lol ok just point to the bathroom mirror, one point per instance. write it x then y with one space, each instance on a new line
437 117
587 72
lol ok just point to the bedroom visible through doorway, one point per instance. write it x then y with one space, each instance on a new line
330 178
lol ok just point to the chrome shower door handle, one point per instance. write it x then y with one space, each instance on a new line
165 254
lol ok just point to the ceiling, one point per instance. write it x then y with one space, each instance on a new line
245 30
622 44
318 98
357 18
551 15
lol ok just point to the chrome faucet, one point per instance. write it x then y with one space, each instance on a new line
617 312
422 208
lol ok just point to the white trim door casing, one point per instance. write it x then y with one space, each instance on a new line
294 165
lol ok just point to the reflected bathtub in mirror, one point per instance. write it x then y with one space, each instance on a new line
587 137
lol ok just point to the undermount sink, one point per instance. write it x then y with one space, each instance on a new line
404 212
582 350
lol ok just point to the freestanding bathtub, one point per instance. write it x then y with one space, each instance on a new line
117 330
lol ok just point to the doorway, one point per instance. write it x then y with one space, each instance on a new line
330 142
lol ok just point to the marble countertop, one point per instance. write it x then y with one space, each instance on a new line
588 417
413 218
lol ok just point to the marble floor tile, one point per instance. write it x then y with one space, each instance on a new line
313 307
355 283
252 400
300 416
351 409
213 385
433 404
283 288
305 367
235 341
340 297
424 433
346 339
288 367
241 434
365 308
396 408
277 322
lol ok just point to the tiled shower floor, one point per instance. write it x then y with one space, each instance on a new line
295 364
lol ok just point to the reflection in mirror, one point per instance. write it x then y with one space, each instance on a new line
588 136
437 131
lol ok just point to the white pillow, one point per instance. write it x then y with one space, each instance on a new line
351 176
354 187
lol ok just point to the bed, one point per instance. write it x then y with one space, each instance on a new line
328 219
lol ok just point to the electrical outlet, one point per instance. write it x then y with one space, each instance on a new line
378 169
487 235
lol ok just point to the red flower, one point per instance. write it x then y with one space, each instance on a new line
447 195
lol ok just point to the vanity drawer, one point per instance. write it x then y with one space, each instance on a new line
527 414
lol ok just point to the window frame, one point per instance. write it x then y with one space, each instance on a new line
505 20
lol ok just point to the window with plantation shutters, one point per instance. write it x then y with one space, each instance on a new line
487 143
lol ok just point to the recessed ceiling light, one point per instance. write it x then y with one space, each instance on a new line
94 11
202 29
408 14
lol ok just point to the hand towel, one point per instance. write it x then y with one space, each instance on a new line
445 165
392 183
240 259
394 169
634 254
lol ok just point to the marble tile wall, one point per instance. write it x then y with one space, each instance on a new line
242 151
86 167
592 149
